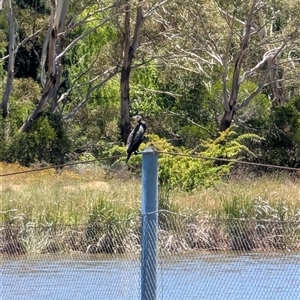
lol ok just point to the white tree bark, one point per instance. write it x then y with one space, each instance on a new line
200 47
51 62
51 49
230 105
11 60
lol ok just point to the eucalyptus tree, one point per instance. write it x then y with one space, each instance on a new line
68 79
236 42
134 15
129 47
85 44
11 60
50 59
69 24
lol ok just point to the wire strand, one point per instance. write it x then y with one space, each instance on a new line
229 160
60 166
159 152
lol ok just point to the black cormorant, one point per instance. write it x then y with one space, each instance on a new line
135 137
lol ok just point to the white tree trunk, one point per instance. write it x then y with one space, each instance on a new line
52 45
11 60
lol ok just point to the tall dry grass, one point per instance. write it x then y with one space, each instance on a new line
238 214
67 197
71 196
265 193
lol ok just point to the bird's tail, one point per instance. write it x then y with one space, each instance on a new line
128 156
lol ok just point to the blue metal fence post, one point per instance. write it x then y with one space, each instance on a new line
149 223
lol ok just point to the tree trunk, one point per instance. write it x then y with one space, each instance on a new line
39 108
229 106
125 74
11 61
129 51
226 120
51 52
125 103
277 83
275 80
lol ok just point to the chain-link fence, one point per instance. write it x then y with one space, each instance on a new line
198 258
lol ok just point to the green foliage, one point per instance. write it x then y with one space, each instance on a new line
88 53
107 213
183 102
282 140
45 141
187 173
143 82
239 208
33 146
178 169
95 129
192 134
185 92
287 118
194 100
258 110
90 57
229 144
22 101
3 43
39 5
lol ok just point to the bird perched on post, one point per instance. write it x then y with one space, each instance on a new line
135 137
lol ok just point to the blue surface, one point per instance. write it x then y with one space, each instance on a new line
179 277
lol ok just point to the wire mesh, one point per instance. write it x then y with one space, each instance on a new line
221 258
70 262
197 258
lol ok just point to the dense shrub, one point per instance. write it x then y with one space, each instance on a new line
282 140
45 141
179 169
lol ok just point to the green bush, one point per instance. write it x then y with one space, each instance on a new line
182 171
179 169
45 141
281 145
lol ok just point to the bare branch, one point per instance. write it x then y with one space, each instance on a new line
88 18
44 58
271 65
138 26
75 41
21 44
268 55
154 7
191 121
255 93
160 92
109 74
117 14
225 72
